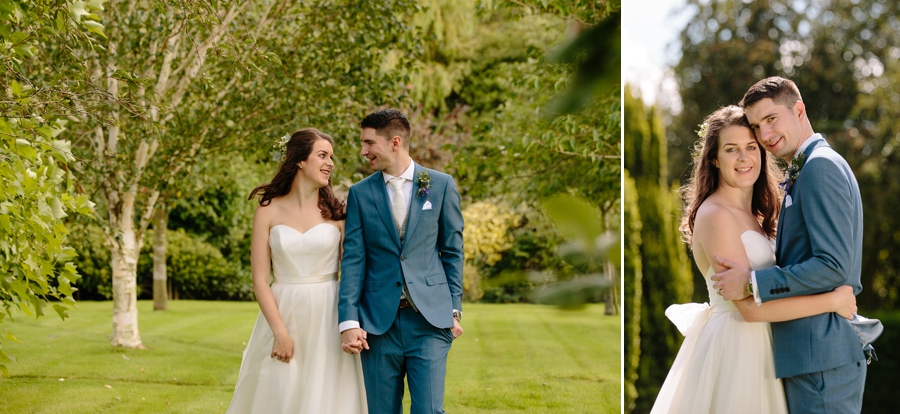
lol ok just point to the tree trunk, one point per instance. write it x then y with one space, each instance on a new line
612 296
124 254
160 294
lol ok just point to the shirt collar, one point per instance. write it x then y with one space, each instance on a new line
812 138
408 174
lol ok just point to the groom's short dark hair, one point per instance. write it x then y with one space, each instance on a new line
780 90
388 123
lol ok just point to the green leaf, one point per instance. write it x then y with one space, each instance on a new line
18 37
12 338
6 359
24 50
56 208
61 310
25 149
77 9
46 131
95 27
121 74
96 4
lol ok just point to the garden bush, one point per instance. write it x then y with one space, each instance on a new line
195 268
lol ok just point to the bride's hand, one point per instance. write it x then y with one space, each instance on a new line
844 301
283 348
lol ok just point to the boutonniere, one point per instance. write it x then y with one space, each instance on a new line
424 181
792 172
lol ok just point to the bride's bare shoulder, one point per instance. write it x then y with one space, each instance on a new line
715 217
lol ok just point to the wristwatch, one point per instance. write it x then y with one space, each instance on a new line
457 315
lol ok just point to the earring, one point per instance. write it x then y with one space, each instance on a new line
301 166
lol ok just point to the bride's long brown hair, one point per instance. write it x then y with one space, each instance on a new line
298 149
705 176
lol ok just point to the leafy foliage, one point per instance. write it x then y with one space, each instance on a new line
498 72
37 190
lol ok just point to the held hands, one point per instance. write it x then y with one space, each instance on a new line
283 348
353 341
844 301
732 283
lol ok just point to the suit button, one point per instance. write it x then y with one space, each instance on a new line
787 289
771 291
398 284
402 258
857 364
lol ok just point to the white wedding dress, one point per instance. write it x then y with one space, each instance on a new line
725 364
320 378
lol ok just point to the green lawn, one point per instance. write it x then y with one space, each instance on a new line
512 358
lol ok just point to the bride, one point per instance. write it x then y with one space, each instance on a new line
726 364
293 361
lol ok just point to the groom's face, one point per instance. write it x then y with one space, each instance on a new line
777 127
376 149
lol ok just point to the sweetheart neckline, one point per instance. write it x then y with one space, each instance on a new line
307 230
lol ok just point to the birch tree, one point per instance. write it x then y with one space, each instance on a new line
206 74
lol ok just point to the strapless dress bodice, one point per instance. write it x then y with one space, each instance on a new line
761 254
309 257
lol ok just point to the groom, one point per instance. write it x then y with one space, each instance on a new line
401 280
819 247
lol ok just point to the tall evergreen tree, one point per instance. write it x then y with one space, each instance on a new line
666 275
633 277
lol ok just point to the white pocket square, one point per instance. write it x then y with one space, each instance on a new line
788 201
426 206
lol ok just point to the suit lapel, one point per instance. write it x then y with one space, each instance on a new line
415 205
383 205
807 153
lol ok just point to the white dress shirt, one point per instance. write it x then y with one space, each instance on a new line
407 184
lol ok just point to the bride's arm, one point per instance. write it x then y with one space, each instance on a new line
718 233
260 265
840 300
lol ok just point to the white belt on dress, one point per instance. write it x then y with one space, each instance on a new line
328 277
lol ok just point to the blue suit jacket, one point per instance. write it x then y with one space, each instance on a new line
819 247
375 262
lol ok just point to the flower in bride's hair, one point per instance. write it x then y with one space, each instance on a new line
280 147
702 131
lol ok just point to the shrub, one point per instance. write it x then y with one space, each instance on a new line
195 270
92 262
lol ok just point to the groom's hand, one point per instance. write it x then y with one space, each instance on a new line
457 330
353 341
732 283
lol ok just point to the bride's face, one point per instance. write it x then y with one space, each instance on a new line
739 158
317 167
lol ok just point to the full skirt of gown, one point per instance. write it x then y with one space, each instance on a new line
725 364
320 378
